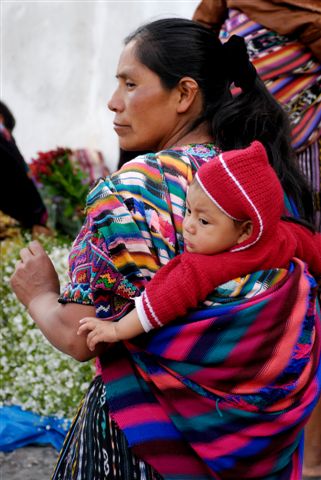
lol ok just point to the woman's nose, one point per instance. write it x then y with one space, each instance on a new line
115 103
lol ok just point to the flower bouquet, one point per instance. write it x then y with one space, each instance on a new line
63 186
34 374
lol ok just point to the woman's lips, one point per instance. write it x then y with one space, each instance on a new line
118 127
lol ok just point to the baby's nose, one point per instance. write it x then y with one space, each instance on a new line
189 225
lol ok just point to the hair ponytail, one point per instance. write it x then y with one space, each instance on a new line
254 114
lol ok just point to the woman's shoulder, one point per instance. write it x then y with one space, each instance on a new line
194 152
179 162
186 153
190 156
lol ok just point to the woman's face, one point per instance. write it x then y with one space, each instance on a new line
145 112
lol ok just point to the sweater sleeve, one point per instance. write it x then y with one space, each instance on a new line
189 278
186 281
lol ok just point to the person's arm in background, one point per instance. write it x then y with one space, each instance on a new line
35 283
211 14
298 18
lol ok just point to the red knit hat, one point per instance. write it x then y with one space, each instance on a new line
244 186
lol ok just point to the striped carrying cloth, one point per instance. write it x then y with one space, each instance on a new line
222 394
226 393
293 76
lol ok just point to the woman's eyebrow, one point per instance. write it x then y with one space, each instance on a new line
125 73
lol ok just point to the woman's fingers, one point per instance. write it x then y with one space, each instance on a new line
33 249
34 274
36 248
25 254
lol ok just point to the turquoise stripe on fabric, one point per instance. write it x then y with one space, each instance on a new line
227 340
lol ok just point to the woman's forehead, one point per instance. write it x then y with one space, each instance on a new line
128 63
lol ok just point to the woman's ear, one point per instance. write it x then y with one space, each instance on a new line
188 89
246 230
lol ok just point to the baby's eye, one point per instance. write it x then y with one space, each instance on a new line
188 211
203 222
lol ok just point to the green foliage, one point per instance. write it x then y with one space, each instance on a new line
63 186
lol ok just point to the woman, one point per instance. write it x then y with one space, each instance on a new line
136 420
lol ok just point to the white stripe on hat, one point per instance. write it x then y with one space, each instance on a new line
213 199
237 183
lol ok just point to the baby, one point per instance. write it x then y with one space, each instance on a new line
232 227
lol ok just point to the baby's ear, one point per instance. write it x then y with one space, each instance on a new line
246 230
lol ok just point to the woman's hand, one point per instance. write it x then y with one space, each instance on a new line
36 284
34 275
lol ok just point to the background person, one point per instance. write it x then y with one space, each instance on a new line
19 197
175 105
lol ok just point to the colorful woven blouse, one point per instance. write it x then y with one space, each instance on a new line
223 393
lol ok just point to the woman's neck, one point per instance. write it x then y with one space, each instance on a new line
199 134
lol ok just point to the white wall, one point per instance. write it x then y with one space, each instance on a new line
58 63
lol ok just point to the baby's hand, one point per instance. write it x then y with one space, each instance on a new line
99 331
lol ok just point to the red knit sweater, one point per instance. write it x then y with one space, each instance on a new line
190 277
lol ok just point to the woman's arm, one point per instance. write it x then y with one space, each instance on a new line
36 284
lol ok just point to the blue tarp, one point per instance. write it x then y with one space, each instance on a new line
20 427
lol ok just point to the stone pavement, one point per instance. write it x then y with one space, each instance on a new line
28 463
33 463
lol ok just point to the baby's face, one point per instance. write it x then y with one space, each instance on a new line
206 229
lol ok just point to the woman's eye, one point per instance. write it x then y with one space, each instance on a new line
130 85
203 222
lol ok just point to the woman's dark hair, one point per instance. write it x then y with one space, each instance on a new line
8 118
174 48
127 155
